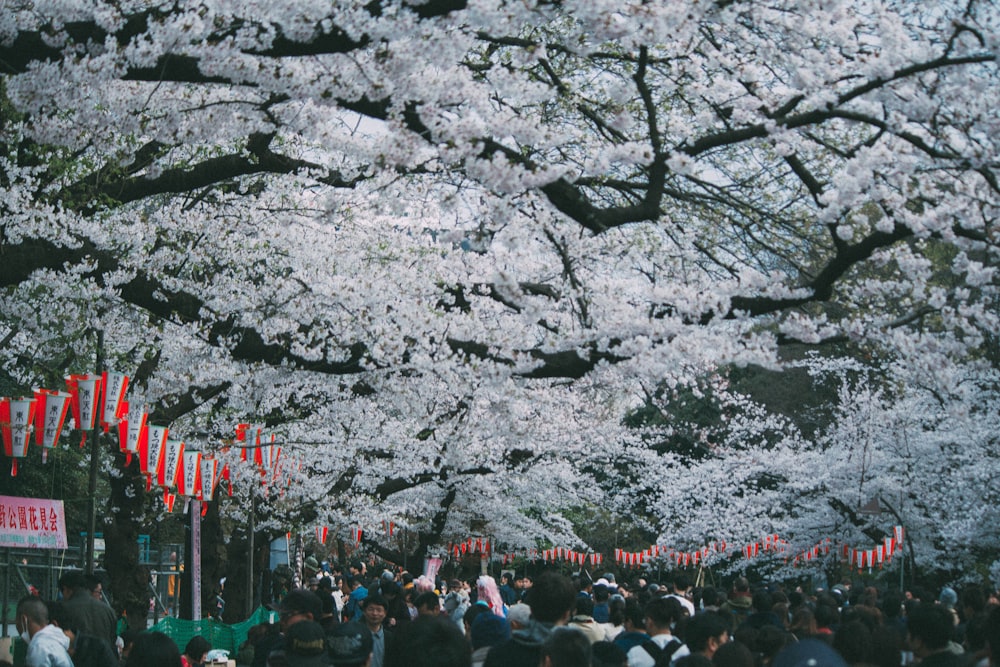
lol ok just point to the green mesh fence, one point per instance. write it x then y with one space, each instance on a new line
220 635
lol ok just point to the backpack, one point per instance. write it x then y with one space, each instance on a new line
661 656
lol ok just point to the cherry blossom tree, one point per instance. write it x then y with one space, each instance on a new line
442 248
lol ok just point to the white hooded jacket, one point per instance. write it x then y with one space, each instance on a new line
48 648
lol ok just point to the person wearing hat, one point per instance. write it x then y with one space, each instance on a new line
349 645
299 605
305 646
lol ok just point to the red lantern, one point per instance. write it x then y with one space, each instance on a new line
209 477
50 415
189 478
16 416
86 393
166 474
151 451
132 432
113 406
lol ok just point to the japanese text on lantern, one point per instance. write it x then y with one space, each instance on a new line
32 523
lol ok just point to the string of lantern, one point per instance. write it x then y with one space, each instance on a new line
166 462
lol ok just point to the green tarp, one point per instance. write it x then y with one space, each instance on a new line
220 635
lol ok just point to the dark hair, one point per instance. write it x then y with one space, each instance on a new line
60 614
762 600
607 654
551 596
931 624
197 647
711 597
427 599
733 654
974 598
474 610
567 647
616 611
34 608
693 660
633 613
886 645
702 627
663 611
375 599
429 641
826 615
584 606
154 649
73 580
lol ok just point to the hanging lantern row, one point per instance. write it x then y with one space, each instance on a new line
99 401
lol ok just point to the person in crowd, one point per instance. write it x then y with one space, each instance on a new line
661 647
853 641
519 616
48 646
487 631
195 651
682 592
245 652
507 592
349 645
397 612
96 586
583 620
566 647
299 604
373 610
633 626
808 653
456 602
734 654
551 599
429 641
427 604
85 650
615 624
93 617
357 593
929 628
803 623
768 641
607 654
305 646
474 612
154 649
740 601
328 605
488 593
602 608
127 642
706 632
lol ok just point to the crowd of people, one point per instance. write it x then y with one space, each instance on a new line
394 620
349 619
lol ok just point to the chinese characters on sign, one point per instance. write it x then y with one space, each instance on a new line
34 523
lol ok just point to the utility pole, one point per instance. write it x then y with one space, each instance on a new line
95 434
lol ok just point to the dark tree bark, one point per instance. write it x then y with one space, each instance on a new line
128 580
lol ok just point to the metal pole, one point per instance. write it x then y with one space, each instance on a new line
194 558
250 531
95 435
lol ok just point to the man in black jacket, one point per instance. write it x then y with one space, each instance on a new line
551 598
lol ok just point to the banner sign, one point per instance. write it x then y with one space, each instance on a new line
32 523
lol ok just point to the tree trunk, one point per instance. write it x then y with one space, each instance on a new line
128 580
